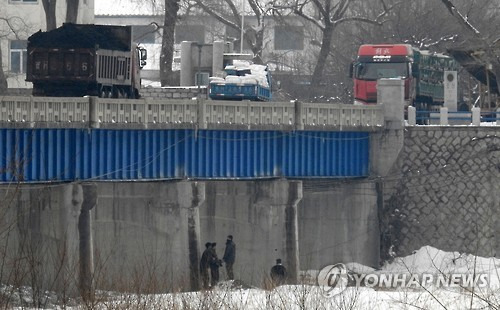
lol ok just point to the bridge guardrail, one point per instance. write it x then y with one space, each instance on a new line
26 109
249 113
343 115
444 117
117 113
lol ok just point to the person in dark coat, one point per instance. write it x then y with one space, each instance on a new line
278 273
229 257
215 263
205 264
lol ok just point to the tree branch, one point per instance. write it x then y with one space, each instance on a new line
309 18
233 8
320 7
217 16
462 19
255 9
358 19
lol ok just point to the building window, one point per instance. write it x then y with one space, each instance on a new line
144 34
23 1
288 38
194 33
18 56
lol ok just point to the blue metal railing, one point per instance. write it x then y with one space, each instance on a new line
424 116
490 116
460 115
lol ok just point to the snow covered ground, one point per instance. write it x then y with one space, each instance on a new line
427 260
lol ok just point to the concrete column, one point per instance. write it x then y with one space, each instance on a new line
498 115
93 116
192 196
443 116
147 102
33 122
450 90
386 144
476 116
218 58
202 124
186 64
292 230
72 199
299 124
412 116
86 247
390 94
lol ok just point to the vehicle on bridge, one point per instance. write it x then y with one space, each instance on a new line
421 71
243 81
77 60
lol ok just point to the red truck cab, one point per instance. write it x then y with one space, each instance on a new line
381 61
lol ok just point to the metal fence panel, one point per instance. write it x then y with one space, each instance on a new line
233 154
43 155
38 154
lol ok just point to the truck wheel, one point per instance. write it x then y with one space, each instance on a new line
105 92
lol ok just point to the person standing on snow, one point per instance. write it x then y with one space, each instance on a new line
205 264
229 257
215 263
278 273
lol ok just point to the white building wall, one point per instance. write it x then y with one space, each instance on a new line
283 60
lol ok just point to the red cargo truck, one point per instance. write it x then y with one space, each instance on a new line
381 61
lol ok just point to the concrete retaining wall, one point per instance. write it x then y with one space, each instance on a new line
338 222
39 236
444 192
149 235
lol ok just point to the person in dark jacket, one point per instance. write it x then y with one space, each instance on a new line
278 273
229 257
205 264
215 263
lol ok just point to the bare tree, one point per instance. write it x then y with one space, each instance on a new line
232 17
49 6
3 78
411 22
168 41
491 49
171 9
329 15
72 10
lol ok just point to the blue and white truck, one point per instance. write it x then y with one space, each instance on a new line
242 81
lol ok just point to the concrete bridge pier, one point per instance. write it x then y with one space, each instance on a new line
89 201
262 216
386 147
292 230
386 144
192 196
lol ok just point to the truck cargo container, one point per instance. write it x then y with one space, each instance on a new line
79 60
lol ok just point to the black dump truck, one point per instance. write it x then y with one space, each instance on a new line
77 60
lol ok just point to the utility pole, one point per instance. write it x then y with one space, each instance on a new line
242 25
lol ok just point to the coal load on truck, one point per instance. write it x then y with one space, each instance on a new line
79 60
